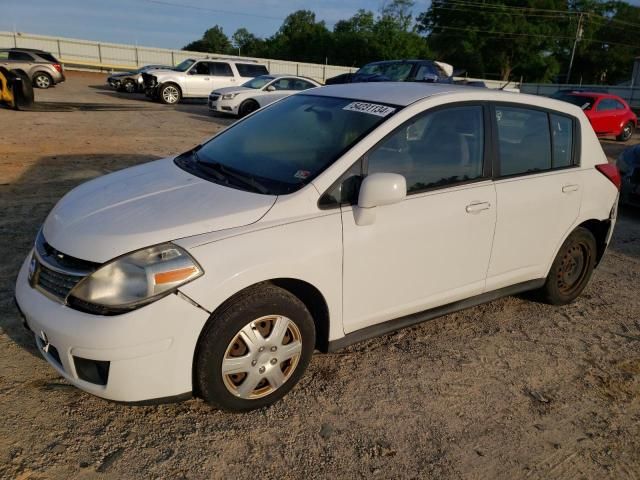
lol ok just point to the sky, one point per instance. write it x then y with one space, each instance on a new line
160 23
168 23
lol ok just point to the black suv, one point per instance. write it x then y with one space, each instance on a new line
396 71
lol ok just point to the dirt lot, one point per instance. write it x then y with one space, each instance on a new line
511 389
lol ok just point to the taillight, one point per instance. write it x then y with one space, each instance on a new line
58 67
611 172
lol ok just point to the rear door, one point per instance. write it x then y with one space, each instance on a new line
538 190
433 247
222 76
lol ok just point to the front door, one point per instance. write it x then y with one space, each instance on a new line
198 81
432 248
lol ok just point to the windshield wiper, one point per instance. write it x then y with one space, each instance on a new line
223 174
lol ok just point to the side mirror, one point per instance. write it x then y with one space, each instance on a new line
378 189
271 88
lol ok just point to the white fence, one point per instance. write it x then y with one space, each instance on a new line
114 56
630 94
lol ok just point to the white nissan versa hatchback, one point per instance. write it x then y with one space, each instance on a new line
329 217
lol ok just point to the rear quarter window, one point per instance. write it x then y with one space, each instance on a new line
48 57
251 70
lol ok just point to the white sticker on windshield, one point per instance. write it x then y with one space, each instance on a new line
370 108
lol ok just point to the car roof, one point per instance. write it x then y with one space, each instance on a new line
19 49
395 93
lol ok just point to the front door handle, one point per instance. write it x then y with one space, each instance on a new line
477 207
570 188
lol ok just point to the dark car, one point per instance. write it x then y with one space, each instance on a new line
131 82
629 166
398 71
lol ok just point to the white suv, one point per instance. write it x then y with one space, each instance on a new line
196 78
331 216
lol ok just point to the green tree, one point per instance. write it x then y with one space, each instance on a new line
214 40
246 43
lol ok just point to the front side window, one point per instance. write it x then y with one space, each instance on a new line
201 68
524 142
606 104
283 84
4 56
220 69
302 85
284 146
436 148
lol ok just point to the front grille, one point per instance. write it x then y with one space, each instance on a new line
56 283
149 80
56 273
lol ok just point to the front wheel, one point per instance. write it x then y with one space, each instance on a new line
247 107
170 94
254 351
625 134
571 269
129 86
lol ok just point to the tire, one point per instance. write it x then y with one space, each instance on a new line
244 327
170 94
572 268
42 80
626 133
129 86
247 107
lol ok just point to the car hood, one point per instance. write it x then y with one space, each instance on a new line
227 90
120 75
146 205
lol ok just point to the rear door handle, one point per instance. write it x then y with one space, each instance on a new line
477 207
570 188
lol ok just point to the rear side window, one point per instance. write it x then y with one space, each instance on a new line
20 56
524 141
434 149
48 57
221 69
251 70
562 138
607 104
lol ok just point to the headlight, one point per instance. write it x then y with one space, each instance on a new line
229 96
140 79
135 279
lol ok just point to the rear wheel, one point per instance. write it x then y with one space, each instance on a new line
42 80
170 94
254 351
626 132
247 107
571 269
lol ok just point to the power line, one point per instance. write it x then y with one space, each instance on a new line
561 37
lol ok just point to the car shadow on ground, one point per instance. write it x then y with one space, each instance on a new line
25 203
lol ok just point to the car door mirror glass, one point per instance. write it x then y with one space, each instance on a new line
271 88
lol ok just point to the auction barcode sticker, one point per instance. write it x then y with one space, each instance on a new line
370 108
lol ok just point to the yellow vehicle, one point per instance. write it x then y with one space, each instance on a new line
16 90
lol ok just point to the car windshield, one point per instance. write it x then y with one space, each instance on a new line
394 71
184 66
284 146
582 101
258 82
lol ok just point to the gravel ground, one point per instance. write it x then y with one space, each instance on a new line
510 389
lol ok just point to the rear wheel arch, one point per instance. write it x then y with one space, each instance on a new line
600 230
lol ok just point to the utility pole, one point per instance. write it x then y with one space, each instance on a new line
579 32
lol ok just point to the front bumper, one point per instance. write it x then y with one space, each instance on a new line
149 351
223 106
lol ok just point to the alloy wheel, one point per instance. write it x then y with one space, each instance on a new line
170 94
43 81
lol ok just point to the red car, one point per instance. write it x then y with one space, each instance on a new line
608 114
